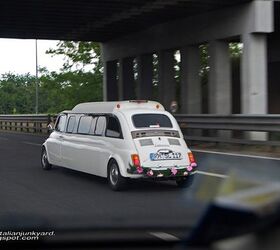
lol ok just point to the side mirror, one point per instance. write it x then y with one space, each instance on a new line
50 128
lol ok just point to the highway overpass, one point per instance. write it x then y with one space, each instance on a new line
135 32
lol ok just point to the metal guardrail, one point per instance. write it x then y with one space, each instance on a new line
237 123
26 123
190 124
265 123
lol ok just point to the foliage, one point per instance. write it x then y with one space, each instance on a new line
80 80
57 91
235 50
17 94
62 91
78 56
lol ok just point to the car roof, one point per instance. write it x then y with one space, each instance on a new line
110 107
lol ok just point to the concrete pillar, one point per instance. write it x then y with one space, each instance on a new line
110 83
254 74
126 79
145 77
166 78
191 99
220 78
254 77
219 95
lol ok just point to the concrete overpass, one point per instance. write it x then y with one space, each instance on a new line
133 33
251 23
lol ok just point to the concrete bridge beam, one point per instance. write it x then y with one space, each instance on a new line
110 83
191 99
126 79
254 74
145 76
254 87
219 89
219 95
166 72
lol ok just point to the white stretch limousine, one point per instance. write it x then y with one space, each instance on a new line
120 140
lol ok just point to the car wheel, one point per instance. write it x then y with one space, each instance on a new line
44 160
116 181
185 182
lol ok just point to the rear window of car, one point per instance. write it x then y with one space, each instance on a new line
151 121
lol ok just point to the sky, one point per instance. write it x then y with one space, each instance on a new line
18 56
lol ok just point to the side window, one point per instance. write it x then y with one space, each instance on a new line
113 128
71 124
93 124
100 125
60 125
84 125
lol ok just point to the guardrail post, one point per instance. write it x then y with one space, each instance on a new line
36 127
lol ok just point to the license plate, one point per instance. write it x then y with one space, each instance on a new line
165 155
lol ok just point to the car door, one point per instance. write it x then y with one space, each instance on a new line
80 149
55 141
98 149
69 142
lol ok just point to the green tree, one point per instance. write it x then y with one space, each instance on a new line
80 79
17 94
79 56
62 91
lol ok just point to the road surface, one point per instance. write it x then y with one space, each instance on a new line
62 198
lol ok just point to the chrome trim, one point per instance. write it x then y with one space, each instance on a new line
152 133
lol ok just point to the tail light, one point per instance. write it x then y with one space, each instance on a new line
136 160
192 162
136 163
191 157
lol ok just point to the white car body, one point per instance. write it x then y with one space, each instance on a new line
162 151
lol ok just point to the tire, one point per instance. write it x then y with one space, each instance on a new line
44 160
116 181
185 182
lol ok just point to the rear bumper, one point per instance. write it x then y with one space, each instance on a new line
166 172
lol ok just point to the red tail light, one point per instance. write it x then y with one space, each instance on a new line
191 157
135 160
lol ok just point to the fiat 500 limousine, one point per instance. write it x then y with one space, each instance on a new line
120 141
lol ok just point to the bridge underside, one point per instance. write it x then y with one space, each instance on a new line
141 64
94 20
139 39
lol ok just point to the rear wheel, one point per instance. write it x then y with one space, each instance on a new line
185 182
44 160
116 181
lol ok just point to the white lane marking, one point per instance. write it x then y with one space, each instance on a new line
31 143
164 236
235 154
212 174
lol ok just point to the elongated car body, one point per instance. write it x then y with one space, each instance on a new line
120 140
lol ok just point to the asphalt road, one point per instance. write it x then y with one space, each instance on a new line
62 198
